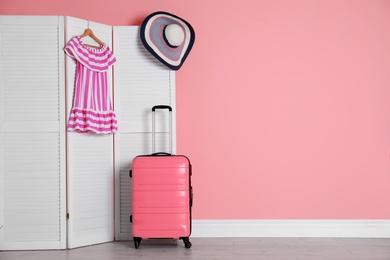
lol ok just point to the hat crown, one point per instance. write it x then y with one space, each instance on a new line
174 34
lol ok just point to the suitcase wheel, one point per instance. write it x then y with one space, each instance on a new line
137 242
188 245
187 242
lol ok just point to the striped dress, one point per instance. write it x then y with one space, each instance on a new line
92 109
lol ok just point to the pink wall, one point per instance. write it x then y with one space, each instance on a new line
283 106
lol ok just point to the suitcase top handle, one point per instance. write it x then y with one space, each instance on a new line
162 107
161 154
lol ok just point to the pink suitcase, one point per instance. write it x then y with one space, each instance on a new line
161 194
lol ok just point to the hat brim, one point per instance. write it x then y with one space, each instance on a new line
152 37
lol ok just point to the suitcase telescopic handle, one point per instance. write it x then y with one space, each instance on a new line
162 107
154 127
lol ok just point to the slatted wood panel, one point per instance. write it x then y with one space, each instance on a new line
90 162
32 150
140 83
31 186
92 185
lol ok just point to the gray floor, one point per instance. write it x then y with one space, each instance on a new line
222 248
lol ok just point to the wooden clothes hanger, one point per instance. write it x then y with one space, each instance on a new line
89 32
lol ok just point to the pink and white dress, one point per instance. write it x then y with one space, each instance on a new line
92 109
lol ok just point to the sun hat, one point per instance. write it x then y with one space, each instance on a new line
167 37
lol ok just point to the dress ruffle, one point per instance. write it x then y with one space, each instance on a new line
87 120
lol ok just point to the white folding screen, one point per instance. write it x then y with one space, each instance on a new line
32 135
46 172
140 83
90 162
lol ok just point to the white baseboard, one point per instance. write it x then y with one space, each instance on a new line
292 228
